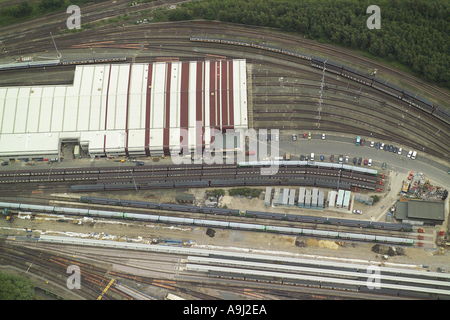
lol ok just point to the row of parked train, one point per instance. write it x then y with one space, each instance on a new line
207 223
189 169
250 214
129 184
56 62
353 74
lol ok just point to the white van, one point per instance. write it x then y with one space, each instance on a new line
413 156
312 157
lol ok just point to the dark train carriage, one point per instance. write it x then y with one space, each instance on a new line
191 184
183 178
387 88
149 168
442 115
227 183
157 185
357 75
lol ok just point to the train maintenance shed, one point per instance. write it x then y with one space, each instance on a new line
126 109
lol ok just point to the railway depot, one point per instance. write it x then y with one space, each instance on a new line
126 109
140 110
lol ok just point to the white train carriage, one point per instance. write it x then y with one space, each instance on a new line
360 237
143 217
105 214
247 226
78 211
176 220
33 207
210 223
284 230
394 240
9 205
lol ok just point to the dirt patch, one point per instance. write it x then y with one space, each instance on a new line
312 242
328 244
322 244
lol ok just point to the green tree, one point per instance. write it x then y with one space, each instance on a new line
15 288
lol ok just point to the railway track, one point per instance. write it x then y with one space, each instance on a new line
58 201
54 268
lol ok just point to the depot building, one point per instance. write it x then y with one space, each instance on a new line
126 109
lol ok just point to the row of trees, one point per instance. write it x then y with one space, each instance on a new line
25 9
415 33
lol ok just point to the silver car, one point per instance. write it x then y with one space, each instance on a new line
346 159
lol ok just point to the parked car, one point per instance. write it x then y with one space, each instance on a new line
363 141
395 150
346 159
369 163
306 158
309 135
321 158
304 135
372 144
399 151
332 158
383 166
382 146
294 137
413 156
391 148
378 145
341 159
323 136
4 163
409 154
302 158
355 160
365 162
357 211
359 161
386 147
140 163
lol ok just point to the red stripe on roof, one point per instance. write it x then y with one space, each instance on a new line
224 95
184 108
147 109
106 109
212 94
231 94
126 116
218 106
199 107
167 113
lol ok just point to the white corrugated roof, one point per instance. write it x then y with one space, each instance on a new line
119 101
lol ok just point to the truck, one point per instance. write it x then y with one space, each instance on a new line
250 153
358 140
76 152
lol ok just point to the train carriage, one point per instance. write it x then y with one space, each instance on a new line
284 230
77 211
176 220
142 217
209 223
106 214
247 226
